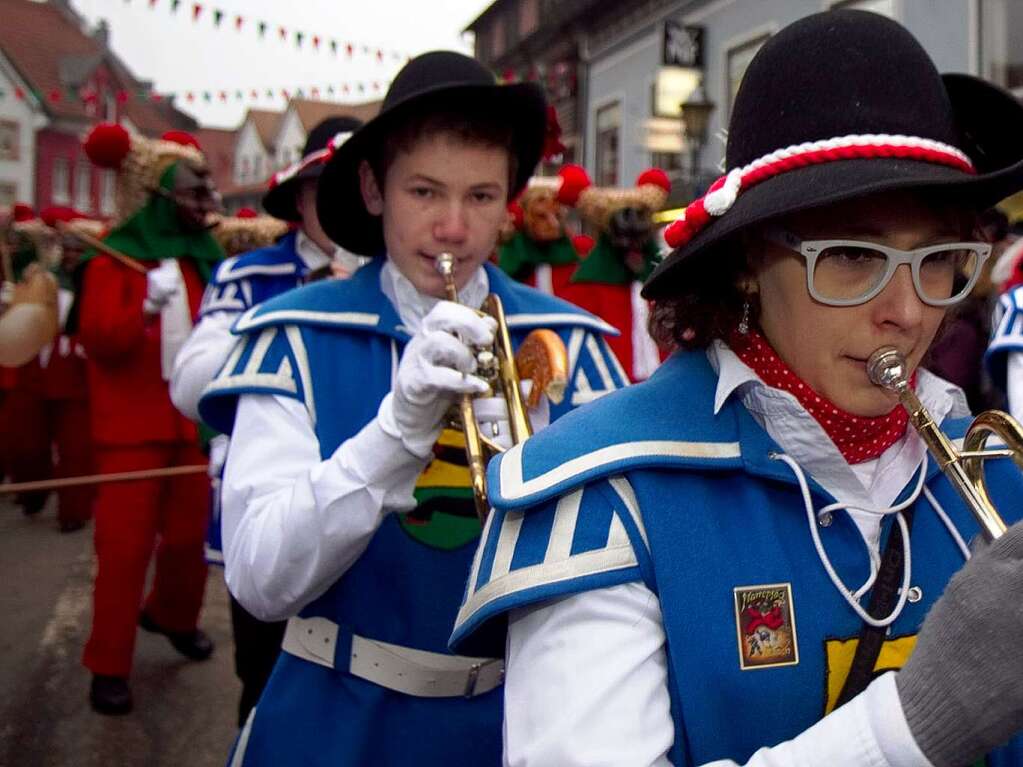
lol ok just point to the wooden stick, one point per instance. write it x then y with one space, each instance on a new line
97 479
101 246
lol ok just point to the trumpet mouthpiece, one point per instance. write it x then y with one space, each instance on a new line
886 367
446 264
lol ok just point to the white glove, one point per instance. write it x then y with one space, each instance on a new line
492 416
435 369
161 284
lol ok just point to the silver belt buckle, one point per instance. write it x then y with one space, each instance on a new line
470 683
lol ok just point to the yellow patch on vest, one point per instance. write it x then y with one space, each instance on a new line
894 653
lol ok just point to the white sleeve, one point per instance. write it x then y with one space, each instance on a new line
293 523
200 359
587 684
1014 384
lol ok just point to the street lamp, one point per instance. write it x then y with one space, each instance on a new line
695 114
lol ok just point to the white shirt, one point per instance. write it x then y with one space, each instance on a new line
587 675
316 258
292 523
211 341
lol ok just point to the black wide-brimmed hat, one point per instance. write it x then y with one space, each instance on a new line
839 105
440 80
279 201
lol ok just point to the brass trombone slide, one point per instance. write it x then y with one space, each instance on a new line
886 368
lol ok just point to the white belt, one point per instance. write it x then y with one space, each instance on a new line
402 669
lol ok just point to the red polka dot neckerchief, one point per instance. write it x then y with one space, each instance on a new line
859 438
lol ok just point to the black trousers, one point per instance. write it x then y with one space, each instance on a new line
256 647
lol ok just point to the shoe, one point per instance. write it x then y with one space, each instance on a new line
194 645
110 694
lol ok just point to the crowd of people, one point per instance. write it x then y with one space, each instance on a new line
718 485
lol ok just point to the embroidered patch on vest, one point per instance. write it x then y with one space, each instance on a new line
765 626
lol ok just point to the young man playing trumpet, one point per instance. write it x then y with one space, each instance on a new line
346 505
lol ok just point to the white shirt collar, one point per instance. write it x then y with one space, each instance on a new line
412 305
873 483
314 257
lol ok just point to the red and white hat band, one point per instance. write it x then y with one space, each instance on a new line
320 155
723 192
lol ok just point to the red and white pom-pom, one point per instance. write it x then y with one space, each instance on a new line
654 176
583 244
246 213
23 212
181 137
518 216
574 180
107 145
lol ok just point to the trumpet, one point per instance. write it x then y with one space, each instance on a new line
542 358
886 368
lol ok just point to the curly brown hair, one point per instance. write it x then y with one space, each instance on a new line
709 303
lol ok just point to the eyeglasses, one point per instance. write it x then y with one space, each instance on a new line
851 272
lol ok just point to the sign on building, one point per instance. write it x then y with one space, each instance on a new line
682 46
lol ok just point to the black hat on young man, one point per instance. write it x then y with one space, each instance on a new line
839 105
441 79
279 201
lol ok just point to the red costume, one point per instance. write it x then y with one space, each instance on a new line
46 409
608 281
134 424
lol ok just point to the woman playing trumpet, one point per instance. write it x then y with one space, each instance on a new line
728 563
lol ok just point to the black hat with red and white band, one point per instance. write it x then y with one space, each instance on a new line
840 105
327 136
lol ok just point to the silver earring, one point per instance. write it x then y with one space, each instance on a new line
744 322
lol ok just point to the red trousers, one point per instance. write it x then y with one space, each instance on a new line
49 438
131 519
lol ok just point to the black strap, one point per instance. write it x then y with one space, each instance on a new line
883 598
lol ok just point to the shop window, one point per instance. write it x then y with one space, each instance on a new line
609 124
83 186
61 181
739 58
107 202
529 17
8 140
1001 42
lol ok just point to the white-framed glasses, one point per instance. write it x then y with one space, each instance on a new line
851 272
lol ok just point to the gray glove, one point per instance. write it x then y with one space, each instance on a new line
962 688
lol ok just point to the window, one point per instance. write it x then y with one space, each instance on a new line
83 186
884 7
8 194
529 17
109 108
8 140
61 181
245 169
669 162
738 59
107 202
609 123
498 38
1001 42
258 167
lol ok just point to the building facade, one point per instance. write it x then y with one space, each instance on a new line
57 79
639 60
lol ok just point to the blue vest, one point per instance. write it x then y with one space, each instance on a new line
1006 334
238 284
649 485
333 347
249 279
